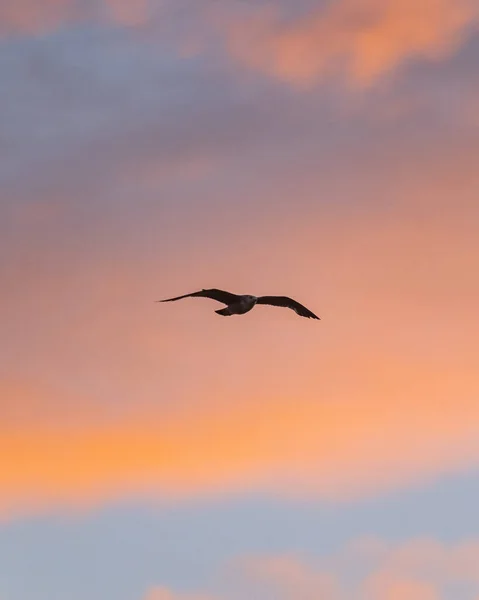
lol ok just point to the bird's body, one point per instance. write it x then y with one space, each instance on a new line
239 304
244 305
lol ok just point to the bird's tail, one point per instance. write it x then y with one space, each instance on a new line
224 312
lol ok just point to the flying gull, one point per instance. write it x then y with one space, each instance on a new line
241 304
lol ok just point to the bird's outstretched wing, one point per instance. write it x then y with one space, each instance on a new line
214 294
301 310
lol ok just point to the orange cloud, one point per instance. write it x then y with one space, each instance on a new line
364 38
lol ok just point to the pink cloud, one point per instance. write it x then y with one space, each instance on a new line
29 16
163 593
366 570
386 586
32 16
128 13
427 558
287 577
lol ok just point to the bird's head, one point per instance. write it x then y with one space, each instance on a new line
251 298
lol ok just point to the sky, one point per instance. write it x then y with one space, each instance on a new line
325 150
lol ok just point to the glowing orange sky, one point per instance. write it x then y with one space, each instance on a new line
105 393
357 402
390 426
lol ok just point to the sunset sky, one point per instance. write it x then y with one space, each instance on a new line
326 150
